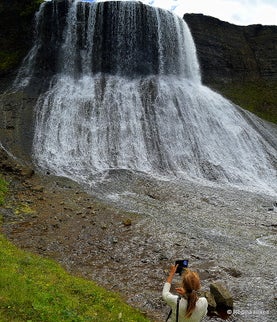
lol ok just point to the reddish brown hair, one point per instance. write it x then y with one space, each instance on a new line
191 284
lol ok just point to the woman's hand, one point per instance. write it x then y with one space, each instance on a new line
180 291
172 272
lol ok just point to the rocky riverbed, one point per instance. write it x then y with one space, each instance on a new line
126 230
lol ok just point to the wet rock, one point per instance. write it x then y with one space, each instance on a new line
222 296
26 172
233 272
163 256
114 240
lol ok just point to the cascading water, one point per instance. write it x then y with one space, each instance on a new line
125 93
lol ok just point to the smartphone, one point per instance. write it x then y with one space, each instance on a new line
183 263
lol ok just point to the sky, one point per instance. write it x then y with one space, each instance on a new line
239 12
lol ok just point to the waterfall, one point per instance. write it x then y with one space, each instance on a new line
124 92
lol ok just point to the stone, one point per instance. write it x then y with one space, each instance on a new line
211 301
127 222
38 188
221 296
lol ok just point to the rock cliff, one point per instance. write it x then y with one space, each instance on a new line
16 34
238 61
230 53
227 53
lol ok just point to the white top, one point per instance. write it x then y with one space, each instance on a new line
199 312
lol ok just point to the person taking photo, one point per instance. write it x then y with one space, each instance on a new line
191 307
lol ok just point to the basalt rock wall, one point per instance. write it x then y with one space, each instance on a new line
227 53
239 62
231 53
16 34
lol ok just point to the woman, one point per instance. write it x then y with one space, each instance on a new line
191 307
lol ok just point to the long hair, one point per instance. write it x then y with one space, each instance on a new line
191 284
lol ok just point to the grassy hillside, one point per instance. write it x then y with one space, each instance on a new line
259 98
36 289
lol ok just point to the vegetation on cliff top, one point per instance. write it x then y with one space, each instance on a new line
37 289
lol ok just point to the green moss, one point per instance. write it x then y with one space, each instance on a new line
3 190
24 209
258 97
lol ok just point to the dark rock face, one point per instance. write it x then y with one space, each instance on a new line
230 53
49 34
52 28
227 53
113 37
16 33
17 124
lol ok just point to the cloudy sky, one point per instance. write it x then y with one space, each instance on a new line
239 12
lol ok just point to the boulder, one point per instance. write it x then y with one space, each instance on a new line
222 296
211 301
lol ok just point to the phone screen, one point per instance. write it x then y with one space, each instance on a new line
183 263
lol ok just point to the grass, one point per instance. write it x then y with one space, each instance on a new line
258 97
36 289
3 190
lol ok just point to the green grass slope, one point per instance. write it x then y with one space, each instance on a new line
258 97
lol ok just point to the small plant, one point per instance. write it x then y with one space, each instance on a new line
24 208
